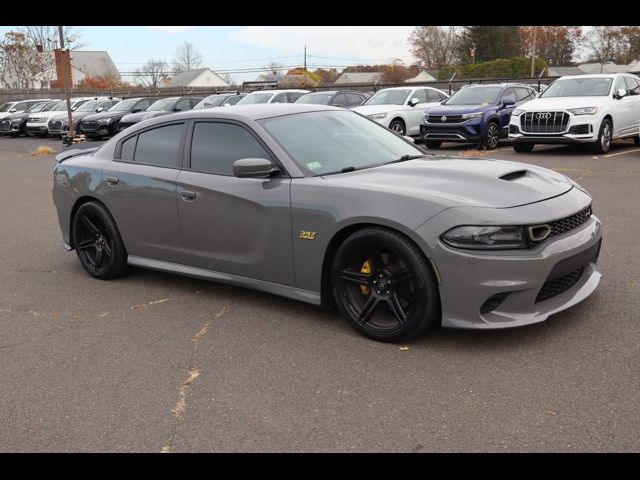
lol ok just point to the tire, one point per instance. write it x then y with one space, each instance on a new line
523 147
386 300
432 144
603 144
98 243
398 127
492 137
14 134
636 140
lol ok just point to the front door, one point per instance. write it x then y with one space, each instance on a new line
237 226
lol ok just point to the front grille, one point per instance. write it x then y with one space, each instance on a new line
544 122
5 126
556 286
447 118
513 129
580 129
567 224
89 126
36 120
55 125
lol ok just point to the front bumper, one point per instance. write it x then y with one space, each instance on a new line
579 129
37 129
470 131
470 278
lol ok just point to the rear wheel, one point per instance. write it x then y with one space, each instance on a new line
603 144
384 286
97 242
398 126
432 144
523 147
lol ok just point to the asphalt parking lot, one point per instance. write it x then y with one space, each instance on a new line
156 362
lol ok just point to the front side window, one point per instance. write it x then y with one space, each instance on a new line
215 146
280 98
37 107
123 106
293 96
340 100
632 86
232 100
254 98
579 87
354 100
183 105
421 95
6 107
389 97
434 96
162 105
315 98
159 146
88 106
328 142
509 95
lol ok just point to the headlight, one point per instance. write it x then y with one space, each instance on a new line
105 120
517 111
467 116
486 237
377 116
584 111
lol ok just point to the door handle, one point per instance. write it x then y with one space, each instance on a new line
112 180
187 194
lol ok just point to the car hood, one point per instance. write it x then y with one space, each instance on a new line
47 115
564 103
139 116
457 182
458 109
17 116
373 109
107 114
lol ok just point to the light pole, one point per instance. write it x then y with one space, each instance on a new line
533 56
65 84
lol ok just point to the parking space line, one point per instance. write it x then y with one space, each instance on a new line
622 153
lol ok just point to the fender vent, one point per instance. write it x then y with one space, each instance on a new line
514 175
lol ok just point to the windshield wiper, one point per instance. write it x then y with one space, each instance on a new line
404 158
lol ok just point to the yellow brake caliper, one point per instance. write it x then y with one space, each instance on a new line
366 268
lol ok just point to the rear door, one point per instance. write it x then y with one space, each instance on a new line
633 92
237 226
621 109
139 188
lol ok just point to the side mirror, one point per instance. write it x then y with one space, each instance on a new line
136 110
254 167
408 138
443 102
621 92
13 110
414 101
99 109
509 101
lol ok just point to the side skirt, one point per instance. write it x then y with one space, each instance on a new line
269 287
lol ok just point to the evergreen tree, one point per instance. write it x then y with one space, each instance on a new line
483 43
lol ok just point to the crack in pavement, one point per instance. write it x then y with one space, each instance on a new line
193 374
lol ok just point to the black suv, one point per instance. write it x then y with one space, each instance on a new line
108 123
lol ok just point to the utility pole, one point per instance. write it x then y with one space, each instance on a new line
533 57
305 67
64 80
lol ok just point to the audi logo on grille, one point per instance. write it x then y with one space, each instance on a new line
543 116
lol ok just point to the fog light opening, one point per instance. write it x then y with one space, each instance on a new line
493 302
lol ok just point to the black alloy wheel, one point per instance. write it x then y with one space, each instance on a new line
383 285
97 242
492 138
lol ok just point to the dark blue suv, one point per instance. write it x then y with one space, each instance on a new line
476 113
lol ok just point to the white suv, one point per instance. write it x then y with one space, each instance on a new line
592 109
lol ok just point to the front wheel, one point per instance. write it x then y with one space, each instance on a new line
97 242
492 137
398 127
384 286
432 144
603 144
523 147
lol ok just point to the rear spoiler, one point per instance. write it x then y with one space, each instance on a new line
74 152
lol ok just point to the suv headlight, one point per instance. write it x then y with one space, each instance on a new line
467 116
517 112
584 111
486 237
105 120
377 116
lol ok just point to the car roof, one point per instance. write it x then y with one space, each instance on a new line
597 75
281 90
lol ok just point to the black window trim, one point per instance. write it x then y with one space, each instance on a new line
186 154
179 157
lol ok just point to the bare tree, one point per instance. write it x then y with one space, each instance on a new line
187 58
435 46
152 73
22 65
47 36
226 77
602 42
274 68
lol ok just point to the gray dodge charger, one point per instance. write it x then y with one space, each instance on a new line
323 205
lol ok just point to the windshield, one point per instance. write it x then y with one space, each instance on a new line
211 101
123 106
36 107
389 97
255 98
328 142
6 107
164 105
89 106
475 96
315 98
579 87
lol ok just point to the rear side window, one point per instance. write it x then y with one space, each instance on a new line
215 146
128 147
142 105
159 146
